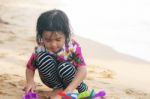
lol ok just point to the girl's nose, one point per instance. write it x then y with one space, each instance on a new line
53 44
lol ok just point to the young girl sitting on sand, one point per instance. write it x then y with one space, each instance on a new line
57 57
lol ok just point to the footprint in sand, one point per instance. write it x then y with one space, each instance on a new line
1 42
11 38
137 94
100 73
11 86
7 36
2 55
3 93
134 92
3 22
106 74
4 77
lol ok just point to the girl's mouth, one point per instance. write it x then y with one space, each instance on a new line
53 49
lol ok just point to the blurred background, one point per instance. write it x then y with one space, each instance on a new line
121 24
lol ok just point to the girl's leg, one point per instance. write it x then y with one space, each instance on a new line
66 72
82 87
47 68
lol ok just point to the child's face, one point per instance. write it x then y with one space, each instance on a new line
53 41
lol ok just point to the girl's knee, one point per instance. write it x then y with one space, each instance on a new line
64 65
66 68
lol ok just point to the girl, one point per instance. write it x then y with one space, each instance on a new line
57 58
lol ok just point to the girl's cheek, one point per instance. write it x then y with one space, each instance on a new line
47 45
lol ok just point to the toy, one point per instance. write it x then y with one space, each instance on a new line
100 94
64 96
30 95
83 95
92 95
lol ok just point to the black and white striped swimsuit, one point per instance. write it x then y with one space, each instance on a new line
55 72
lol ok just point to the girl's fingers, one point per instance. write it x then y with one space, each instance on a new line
27 90
23 89
32 90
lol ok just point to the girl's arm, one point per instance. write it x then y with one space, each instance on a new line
30 86
29 75
30 69
79 77
81 69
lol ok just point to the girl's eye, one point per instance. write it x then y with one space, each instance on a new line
58 40
47 40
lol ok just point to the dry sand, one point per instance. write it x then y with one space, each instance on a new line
121 76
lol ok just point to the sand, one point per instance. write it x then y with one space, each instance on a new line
121 76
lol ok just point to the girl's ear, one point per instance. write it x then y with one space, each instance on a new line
38 39
41 42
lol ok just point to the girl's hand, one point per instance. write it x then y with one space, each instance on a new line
29 87
54 94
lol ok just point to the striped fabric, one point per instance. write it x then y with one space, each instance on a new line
56 74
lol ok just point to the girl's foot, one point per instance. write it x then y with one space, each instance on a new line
55 92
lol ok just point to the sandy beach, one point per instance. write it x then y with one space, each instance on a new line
121 76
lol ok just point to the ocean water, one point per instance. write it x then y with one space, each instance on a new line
121 24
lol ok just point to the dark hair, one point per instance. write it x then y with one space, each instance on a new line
53 20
